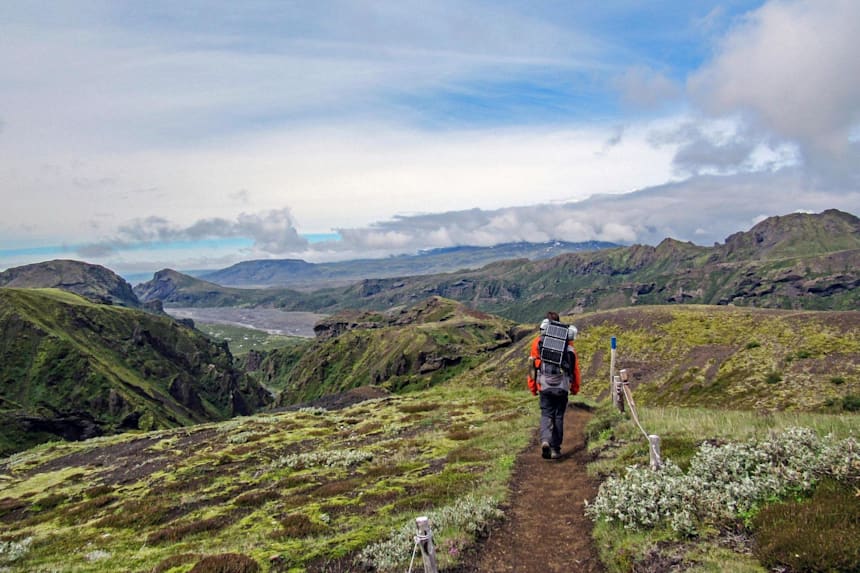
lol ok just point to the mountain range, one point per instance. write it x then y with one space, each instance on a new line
296 273
800 260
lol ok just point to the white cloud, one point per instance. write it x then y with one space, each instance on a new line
791 68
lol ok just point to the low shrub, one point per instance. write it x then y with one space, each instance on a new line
773 378
724 483
298 525
326 458
851 403
818 534
13 550
226 563
256 498
175 561
459 435
418 407
471 514
175 533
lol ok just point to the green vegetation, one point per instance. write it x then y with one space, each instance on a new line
74 369
242 340
311 487
422 346
724 471
818 533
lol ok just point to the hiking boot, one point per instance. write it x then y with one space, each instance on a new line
544 450
555 454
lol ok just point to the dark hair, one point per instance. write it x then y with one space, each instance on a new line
552 315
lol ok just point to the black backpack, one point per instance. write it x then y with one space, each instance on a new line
555 354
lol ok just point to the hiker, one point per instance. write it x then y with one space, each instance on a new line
554 382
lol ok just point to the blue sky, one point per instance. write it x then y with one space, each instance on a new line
197 134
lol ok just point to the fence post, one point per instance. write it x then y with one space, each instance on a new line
424 539
615 381
656 460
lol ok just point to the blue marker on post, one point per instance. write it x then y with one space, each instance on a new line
613 343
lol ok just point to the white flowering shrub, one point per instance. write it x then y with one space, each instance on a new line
97 555
471 514
313 410
13 550
241 437
325 458
724 482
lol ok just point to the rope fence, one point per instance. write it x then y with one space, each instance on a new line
621 394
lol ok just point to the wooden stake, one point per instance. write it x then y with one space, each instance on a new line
656 460
425 542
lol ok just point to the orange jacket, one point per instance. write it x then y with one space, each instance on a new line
534 386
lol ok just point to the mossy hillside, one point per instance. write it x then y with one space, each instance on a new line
309 486
740 358
707 356
65 358
428 343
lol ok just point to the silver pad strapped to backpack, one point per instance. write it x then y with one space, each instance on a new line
554 343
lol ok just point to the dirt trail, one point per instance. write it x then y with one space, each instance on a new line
546 529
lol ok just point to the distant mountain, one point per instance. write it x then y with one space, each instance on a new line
75 369
795 235
799 261
178 289
297 273
92 282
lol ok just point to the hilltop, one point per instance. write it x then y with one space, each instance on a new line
75 369
92 282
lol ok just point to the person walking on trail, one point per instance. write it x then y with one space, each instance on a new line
554 375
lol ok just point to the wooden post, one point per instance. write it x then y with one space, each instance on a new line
614 381
656 460
612 362
618 393
424 539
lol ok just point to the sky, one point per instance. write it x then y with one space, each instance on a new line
197 134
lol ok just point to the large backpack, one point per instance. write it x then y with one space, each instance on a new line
554 351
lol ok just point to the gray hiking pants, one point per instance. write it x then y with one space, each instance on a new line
552 407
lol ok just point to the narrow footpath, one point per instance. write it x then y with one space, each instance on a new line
546 529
